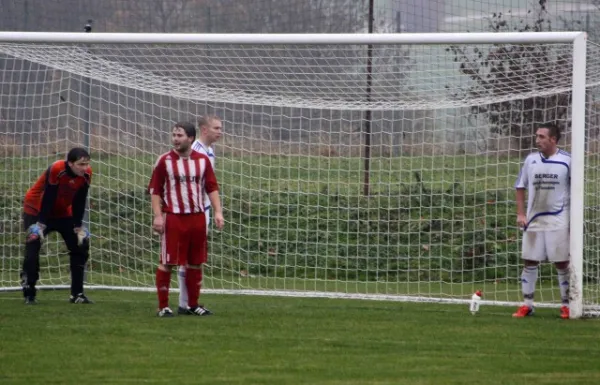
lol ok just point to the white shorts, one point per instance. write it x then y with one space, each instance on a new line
207 216
543 246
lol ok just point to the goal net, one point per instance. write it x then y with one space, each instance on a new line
381 171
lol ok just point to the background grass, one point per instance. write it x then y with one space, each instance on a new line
431 225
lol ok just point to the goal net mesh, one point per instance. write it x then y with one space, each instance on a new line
422 208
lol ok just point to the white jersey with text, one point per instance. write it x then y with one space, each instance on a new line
548 184
210 152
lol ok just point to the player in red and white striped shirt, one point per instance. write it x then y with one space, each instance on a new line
210 128
180 179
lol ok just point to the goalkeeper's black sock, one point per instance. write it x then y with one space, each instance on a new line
77 279
28 286
29 291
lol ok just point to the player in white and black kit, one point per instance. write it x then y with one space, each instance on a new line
546 175
210 127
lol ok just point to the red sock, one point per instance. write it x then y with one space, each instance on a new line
163 280
192 283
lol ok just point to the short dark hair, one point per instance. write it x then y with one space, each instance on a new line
189 128
552 128
77 153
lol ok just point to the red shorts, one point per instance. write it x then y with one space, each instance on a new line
184 240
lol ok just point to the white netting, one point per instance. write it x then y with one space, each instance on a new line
445 149
334 77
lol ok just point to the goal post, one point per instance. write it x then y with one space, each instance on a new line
577 174
440 221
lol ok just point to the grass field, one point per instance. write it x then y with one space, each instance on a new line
434 226
262 340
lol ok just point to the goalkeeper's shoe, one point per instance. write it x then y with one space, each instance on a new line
199 311
30 300
564 312
523 311
80 298
165 312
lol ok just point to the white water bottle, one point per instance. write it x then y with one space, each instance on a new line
475 300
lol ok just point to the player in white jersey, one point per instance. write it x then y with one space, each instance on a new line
546 175
210 127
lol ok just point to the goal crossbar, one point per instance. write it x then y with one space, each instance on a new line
282 39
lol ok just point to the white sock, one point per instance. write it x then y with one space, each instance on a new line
528 281
563 283
183 294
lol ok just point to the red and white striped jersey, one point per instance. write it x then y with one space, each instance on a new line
183 182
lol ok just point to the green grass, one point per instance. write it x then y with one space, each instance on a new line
262 340
447 220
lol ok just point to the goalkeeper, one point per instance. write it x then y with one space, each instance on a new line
56 202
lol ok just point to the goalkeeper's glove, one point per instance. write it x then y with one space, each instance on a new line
35 232
83 235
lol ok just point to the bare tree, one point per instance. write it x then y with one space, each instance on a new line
586 20
507 69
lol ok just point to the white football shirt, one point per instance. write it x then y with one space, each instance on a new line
210 152
548 184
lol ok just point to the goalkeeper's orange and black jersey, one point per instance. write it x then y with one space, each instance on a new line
58 193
